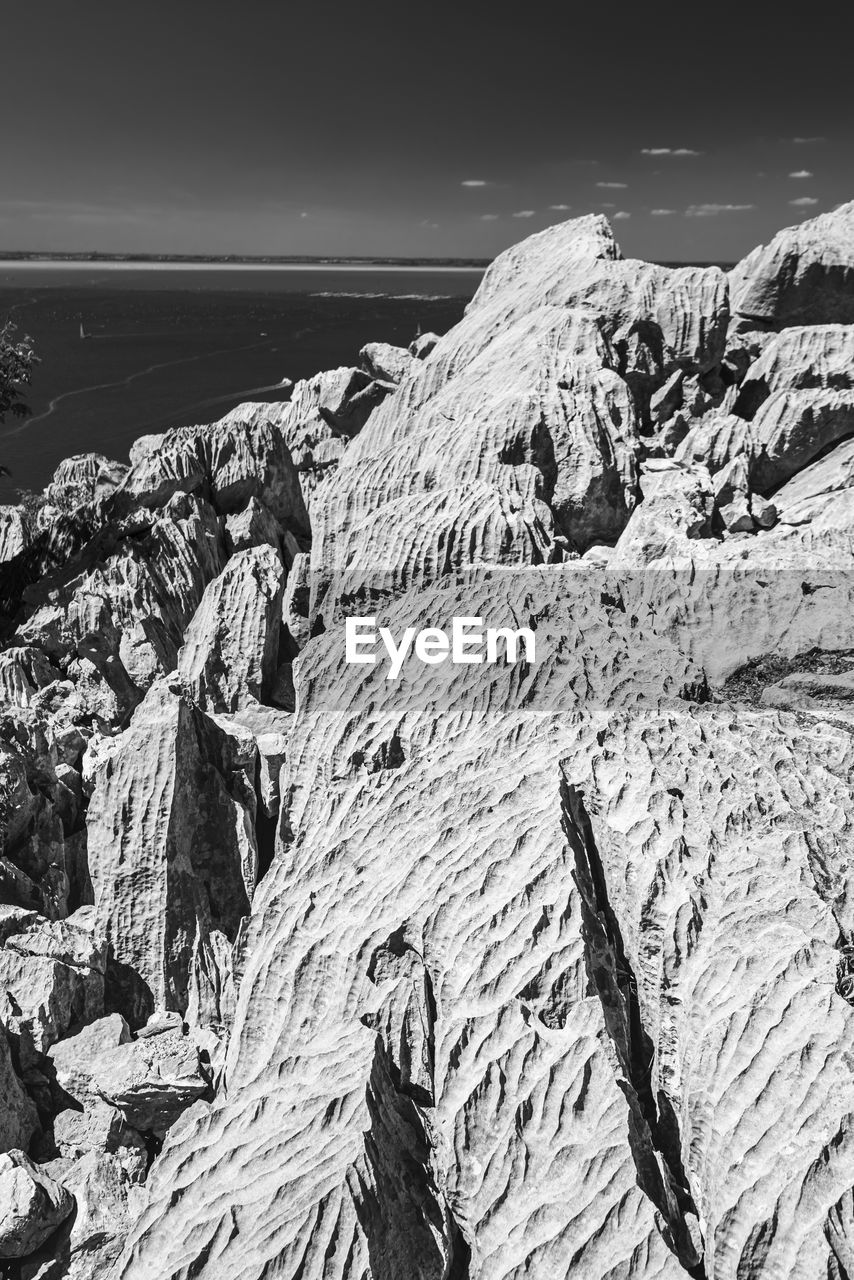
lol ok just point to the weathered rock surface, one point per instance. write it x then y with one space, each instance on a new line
530 969
172 850
32 1205
18 1118
231 646
804 276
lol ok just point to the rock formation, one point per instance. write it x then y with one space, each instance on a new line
539 967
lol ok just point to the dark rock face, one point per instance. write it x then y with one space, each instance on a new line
532 967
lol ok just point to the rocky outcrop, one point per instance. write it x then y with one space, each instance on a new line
32 1205
803 277
232 644
171 848
529 967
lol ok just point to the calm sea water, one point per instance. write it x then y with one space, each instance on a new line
170 346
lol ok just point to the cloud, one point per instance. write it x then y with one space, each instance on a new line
489 217
431 226
607 204
303 214
804 200
662 213
669 151
806 141
474 182
525 213
613 186
712 210
621 213
561 208
801 173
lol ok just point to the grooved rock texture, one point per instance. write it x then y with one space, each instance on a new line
804 276
171 848
533 968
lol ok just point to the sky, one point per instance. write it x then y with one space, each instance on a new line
440 129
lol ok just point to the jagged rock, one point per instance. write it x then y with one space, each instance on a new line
252 527
24 670
151 573
820 489
664 402
32 1205
798 359
804 276
387 363
677 509
235 460
105 1187
763 511
85 477
150 1081
231 646
736 515
74 1058
18 1118
14 533
51 977
794 427
171 847
732 482
716 441
422 346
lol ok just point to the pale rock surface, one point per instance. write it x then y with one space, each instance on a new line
74 1058
14 534
805 275
231 646
150 1081
32 1205
422 346
172 850
235 460
800 358
819 489
85 477
18 1118
51 977
387 363
792 428
23 670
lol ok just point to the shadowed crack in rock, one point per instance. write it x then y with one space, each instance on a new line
653 1126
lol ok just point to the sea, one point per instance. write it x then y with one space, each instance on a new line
176 344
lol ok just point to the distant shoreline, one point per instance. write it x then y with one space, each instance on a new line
19 258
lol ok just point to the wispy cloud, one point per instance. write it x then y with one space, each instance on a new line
802 142
303 214
662 213
613 186
431 226
561 208
803 201
622 213
474 182
712 210
525 213
607 204
669 151
489 217
801 173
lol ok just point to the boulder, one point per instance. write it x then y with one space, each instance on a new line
792 428
151 1081
74 1057
813 492
804 276
812 357
14 533
421 346
32 1205
387 363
